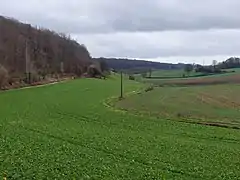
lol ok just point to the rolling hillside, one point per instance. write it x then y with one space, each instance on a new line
64 131
137 65
46 50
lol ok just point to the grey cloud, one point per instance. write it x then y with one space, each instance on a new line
163 44
173 15
146 29
107 16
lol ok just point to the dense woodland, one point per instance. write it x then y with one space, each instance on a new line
232 62
128 64
47 52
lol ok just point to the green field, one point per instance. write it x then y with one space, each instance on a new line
215 104
225 78
64 131
178 73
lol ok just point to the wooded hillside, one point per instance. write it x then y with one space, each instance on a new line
130 64
48 52
232 62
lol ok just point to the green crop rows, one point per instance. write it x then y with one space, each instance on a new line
64 131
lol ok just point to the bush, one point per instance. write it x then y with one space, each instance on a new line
34 77
94 71
106 73
131 77
3 76
150 88
144 75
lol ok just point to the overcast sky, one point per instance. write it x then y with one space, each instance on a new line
195 31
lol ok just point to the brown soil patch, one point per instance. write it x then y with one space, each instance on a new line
219 101
205 81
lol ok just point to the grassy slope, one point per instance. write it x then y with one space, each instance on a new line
63 131
216 103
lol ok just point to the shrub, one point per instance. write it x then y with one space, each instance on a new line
106 74
131 77
179 115
3 76
150 88
94 71
144 75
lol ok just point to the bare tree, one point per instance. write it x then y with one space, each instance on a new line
62 67
150 73
214 63
23 46
188 68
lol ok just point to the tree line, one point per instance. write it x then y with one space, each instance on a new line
230 63
137 66
27 49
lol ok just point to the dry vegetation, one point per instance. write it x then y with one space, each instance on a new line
49 53
212 105
210 80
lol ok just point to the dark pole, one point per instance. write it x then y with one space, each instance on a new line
29 78
121 96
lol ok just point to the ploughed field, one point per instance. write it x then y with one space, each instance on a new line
64 131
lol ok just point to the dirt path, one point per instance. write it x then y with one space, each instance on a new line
47 84
37 86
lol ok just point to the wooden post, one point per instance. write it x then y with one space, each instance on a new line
121 95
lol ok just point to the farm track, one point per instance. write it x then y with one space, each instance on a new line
38 86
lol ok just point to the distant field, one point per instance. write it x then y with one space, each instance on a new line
162 74
216 104
67 131
167 73
171 73
206 80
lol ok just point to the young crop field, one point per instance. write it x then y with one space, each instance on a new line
64 131
168 73
215 105
176 73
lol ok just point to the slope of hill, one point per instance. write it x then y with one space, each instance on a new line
126 64
47 50
64 131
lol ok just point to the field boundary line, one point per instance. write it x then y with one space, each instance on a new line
37 86
109 102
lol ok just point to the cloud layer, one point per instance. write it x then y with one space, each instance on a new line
139 28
